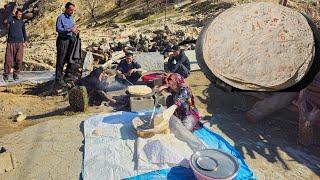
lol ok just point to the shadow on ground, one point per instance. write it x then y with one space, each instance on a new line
40 88
276 133
57 112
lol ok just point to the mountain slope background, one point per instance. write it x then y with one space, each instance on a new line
107 19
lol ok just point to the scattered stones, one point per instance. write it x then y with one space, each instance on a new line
20 117
114 25
87 65
6 161
28 16
161 40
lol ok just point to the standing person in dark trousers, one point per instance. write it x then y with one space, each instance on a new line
179 62
67 32
17 39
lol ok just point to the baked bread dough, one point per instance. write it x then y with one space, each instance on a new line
139 90
258 46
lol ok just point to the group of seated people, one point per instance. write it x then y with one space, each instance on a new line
129 72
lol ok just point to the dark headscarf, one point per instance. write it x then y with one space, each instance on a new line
92 81
96 73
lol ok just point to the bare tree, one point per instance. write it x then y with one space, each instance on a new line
91 7
148 10
118 2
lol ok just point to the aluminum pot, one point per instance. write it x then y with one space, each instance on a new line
213 164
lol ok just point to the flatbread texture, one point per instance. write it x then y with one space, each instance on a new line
258 46
139 90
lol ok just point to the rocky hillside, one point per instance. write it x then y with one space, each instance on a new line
104 19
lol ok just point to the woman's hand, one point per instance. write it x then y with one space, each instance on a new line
161 88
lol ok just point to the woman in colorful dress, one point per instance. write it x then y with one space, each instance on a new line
182 97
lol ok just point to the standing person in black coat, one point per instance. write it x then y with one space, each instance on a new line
179 62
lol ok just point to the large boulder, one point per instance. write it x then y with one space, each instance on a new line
150 61
257 46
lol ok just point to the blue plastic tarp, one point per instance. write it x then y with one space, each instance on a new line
212 140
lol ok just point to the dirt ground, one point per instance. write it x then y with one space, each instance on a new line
26 98
50 143
20 99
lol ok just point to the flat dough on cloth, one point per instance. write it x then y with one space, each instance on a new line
139 90
162 151
258 46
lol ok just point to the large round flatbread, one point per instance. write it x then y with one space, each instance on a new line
257 46
139 90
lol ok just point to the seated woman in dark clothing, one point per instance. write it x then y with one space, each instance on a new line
182 96
129 70
96 86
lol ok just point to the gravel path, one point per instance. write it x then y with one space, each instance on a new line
49 150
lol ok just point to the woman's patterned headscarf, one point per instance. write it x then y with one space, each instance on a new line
176 78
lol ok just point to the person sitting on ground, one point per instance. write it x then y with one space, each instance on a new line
96 85
181 95
128 69
179 62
